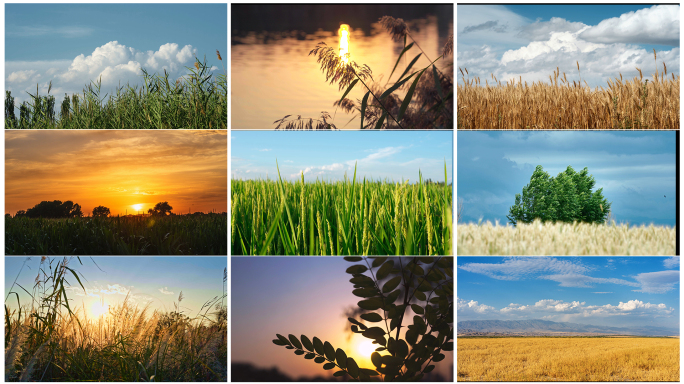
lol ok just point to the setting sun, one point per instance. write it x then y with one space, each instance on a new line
99 309
366 348
137 207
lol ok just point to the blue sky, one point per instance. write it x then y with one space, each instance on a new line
73 44
637 170
613 291
532 40
394 155
154 280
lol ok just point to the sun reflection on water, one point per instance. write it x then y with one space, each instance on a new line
344 42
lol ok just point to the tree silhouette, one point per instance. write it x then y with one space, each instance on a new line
100 211
55 210
160 209
567 198
425 285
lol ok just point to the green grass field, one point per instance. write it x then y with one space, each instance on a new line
170 235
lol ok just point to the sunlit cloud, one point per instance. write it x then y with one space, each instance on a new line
165 291
117 169
115 289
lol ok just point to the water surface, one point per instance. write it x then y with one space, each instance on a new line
272 75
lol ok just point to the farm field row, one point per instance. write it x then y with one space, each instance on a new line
169 235
568 359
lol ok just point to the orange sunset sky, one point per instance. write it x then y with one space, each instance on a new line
117 169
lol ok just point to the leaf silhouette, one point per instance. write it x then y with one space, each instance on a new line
427 290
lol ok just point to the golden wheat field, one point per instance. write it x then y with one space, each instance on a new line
565 239
568 104
568 359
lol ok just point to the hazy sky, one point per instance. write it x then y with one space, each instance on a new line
395 155
637 170
294 295
615 291
74 44
154 280
117 169
532 40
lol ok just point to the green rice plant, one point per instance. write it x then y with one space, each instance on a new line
170 235
50 340
424 287
565 239
196 101
349 217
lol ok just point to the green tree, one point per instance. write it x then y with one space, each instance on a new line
568 197
100 211
423 285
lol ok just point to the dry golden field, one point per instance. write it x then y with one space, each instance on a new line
570 239
568 104
568 359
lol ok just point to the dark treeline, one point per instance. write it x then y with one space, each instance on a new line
242 372
57 209
308 18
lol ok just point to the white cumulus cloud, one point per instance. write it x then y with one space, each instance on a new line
658 24
20 76
472 306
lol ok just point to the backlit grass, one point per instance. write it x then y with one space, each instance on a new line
49 339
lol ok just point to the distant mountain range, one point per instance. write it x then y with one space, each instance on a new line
550 328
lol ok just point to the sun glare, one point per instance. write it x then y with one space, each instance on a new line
344 42
137 207
366 348
99 309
